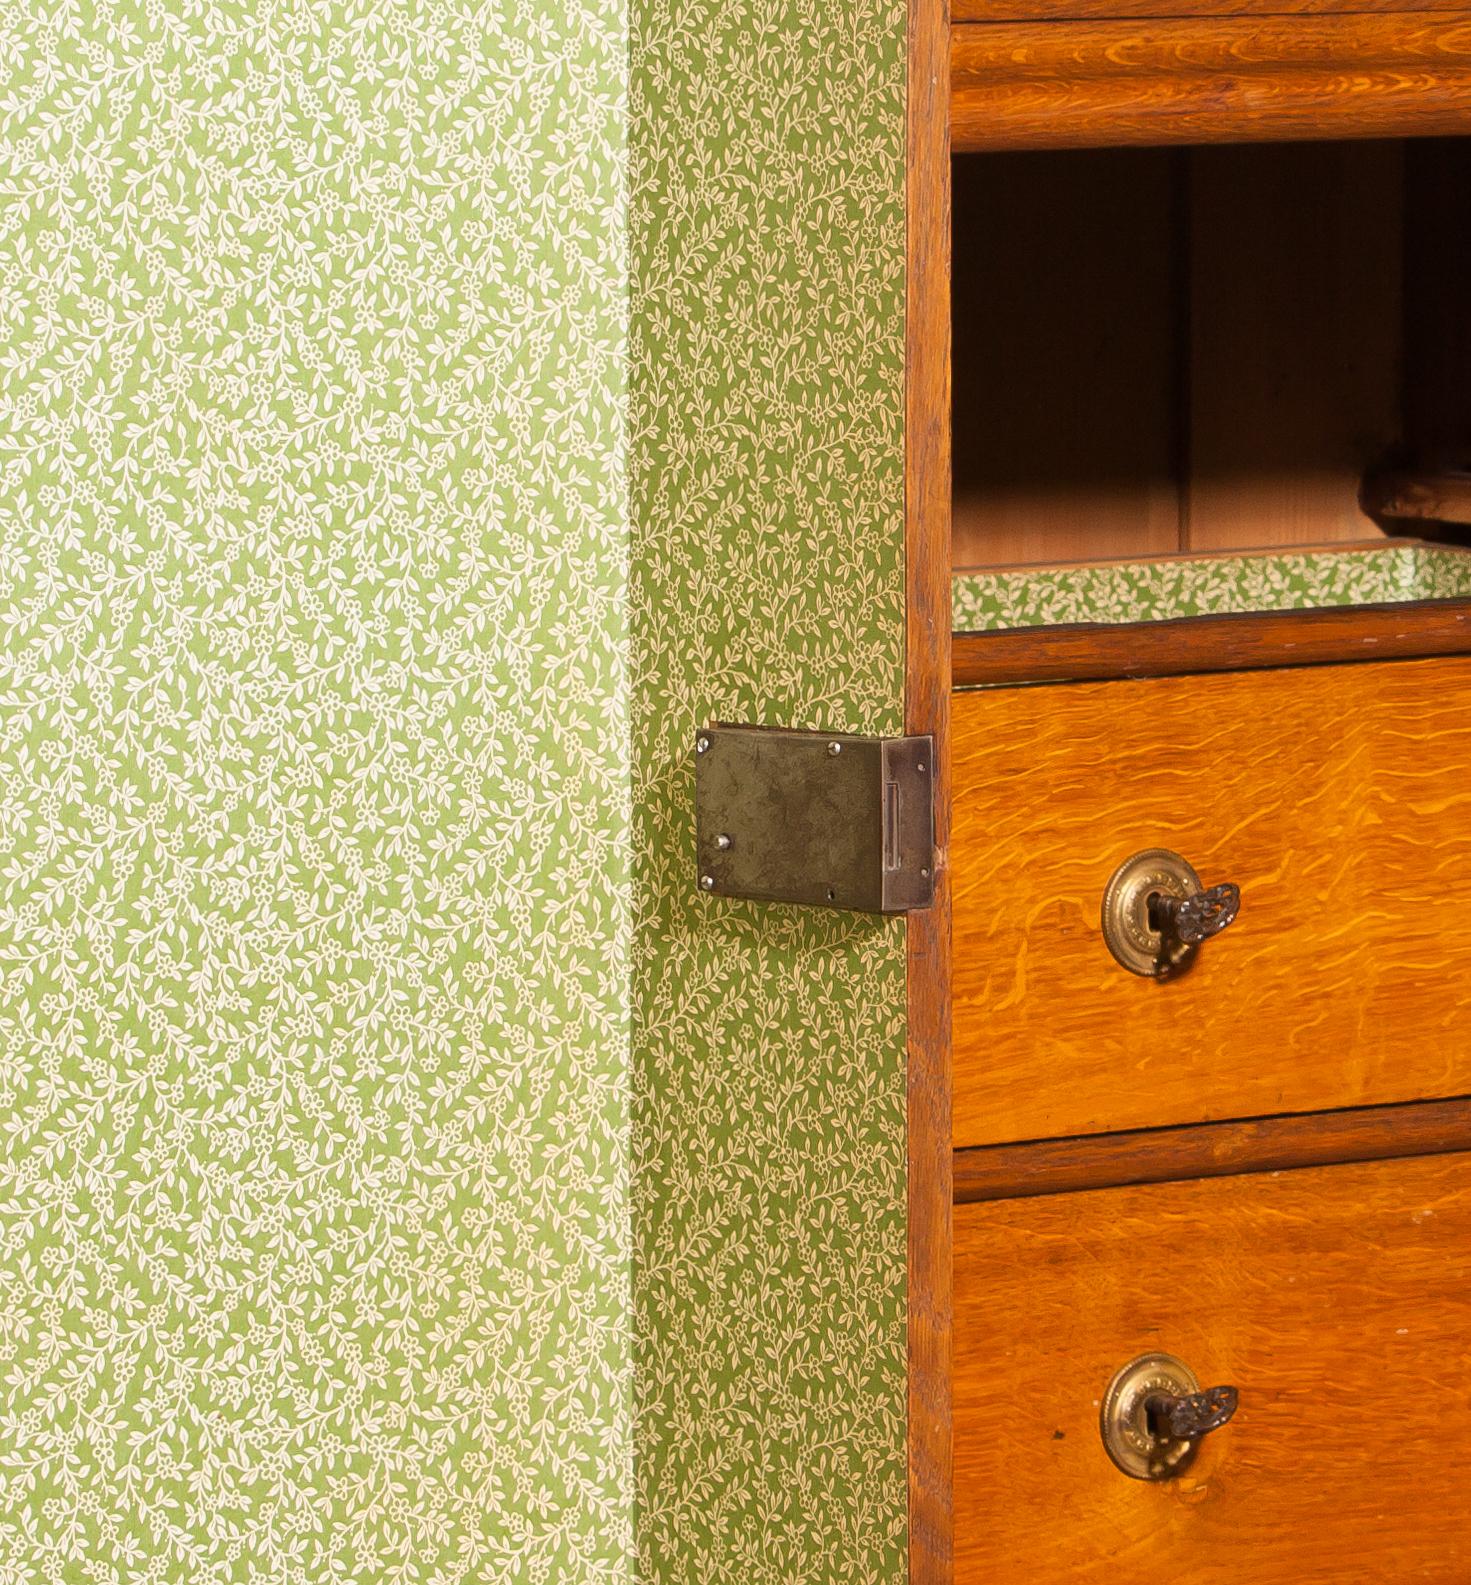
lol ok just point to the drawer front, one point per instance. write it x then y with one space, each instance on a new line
1338 1302
1337 797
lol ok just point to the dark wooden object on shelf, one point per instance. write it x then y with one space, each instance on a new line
1419 501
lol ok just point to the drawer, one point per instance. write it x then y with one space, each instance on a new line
1337 797
1338 1302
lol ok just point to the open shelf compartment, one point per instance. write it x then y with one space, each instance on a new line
1209 351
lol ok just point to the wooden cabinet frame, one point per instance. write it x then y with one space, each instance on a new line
927 709
980 115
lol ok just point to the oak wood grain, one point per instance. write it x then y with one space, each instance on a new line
1211 1150
1338 798
1080 10
1036 85
927 710
1337 1300
1253 640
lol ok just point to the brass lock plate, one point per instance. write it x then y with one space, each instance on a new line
1130 1443
1127 929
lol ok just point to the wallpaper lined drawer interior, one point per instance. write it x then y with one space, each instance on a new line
1169 587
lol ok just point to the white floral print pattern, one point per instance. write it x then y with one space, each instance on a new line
1152 591
314 934
767 247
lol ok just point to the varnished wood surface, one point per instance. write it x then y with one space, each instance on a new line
1338 1301
1093 10
1211 1150
1437 383
927 710
1068 417
1250 641
1295 339
1037 85
1171 349
1337 797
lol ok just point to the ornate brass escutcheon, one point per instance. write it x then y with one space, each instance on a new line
1154 1415
1156 914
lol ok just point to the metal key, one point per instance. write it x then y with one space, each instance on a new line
1186 1417
1191 920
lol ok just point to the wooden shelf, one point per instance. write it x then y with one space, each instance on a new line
1262 640
1040 85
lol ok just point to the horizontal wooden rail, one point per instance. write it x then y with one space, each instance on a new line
1114 10
1084 651
1038 85
1211 1150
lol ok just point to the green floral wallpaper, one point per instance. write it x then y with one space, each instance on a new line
314 833
767 243
1149 591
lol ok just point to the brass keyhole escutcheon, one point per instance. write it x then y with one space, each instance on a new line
1155 914
1155 1414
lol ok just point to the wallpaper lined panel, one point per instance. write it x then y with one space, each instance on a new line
1151 591
314 933
767 239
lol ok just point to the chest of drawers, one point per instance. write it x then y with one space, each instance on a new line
1207 410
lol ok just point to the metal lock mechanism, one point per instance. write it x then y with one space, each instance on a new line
833 819
1154 1415
1156 914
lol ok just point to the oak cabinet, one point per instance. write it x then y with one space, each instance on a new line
1209 474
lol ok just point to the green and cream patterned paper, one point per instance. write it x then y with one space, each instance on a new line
1150 591
767 168
314 921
